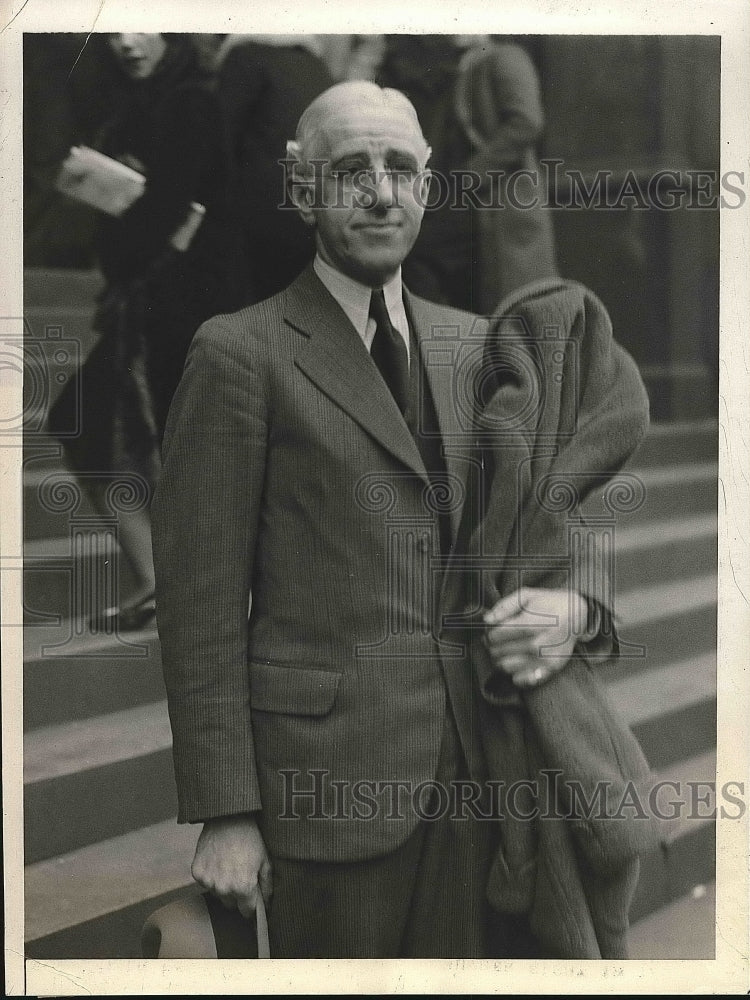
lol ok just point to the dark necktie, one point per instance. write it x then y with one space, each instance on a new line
388 351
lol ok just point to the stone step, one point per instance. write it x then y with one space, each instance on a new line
686 389
57 341
682 489
89 569
68 678
669 441
84 744
83 807
69 322
42 519
661 624
661 642
661 551
104 892
684 929
93 881
675 687
98 777
675 734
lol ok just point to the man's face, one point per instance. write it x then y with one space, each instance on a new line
368 198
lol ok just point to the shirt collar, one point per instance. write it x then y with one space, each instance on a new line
354 297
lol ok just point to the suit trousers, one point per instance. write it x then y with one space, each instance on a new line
426 899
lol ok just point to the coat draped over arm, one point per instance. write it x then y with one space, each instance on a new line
562 408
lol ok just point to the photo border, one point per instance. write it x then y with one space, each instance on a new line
728 973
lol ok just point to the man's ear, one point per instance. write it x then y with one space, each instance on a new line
424 185
302 193
301 189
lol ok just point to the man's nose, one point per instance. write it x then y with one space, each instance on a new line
382 185
127 42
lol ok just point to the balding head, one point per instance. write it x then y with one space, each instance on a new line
353 101
360 177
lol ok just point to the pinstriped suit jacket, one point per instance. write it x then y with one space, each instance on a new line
290 481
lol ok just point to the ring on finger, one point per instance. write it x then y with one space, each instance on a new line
534 677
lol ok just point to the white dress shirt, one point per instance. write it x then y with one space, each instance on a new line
354 299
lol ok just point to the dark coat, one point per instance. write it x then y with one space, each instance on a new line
171 124
573 878
263 91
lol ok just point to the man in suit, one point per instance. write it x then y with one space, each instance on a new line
317 471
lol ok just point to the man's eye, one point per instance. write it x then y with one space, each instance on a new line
402 169
348 171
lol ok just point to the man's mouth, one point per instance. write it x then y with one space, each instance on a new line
379 226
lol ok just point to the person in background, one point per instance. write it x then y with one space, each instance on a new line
480 101
60 109
264 83
167 125
365 57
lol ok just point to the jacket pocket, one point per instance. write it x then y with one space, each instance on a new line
292 690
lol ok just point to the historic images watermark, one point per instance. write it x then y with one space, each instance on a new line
550 185
315 795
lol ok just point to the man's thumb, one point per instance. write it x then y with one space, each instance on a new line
265 880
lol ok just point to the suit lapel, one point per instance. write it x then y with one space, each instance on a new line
335 359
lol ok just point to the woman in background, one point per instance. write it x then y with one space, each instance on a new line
166 123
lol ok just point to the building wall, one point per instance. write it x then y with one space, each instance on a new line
643 104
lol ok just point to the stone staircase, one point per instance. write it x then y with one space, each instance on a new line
102 848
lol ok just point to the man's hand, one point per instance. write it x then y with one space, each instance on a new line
231 861
530 619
